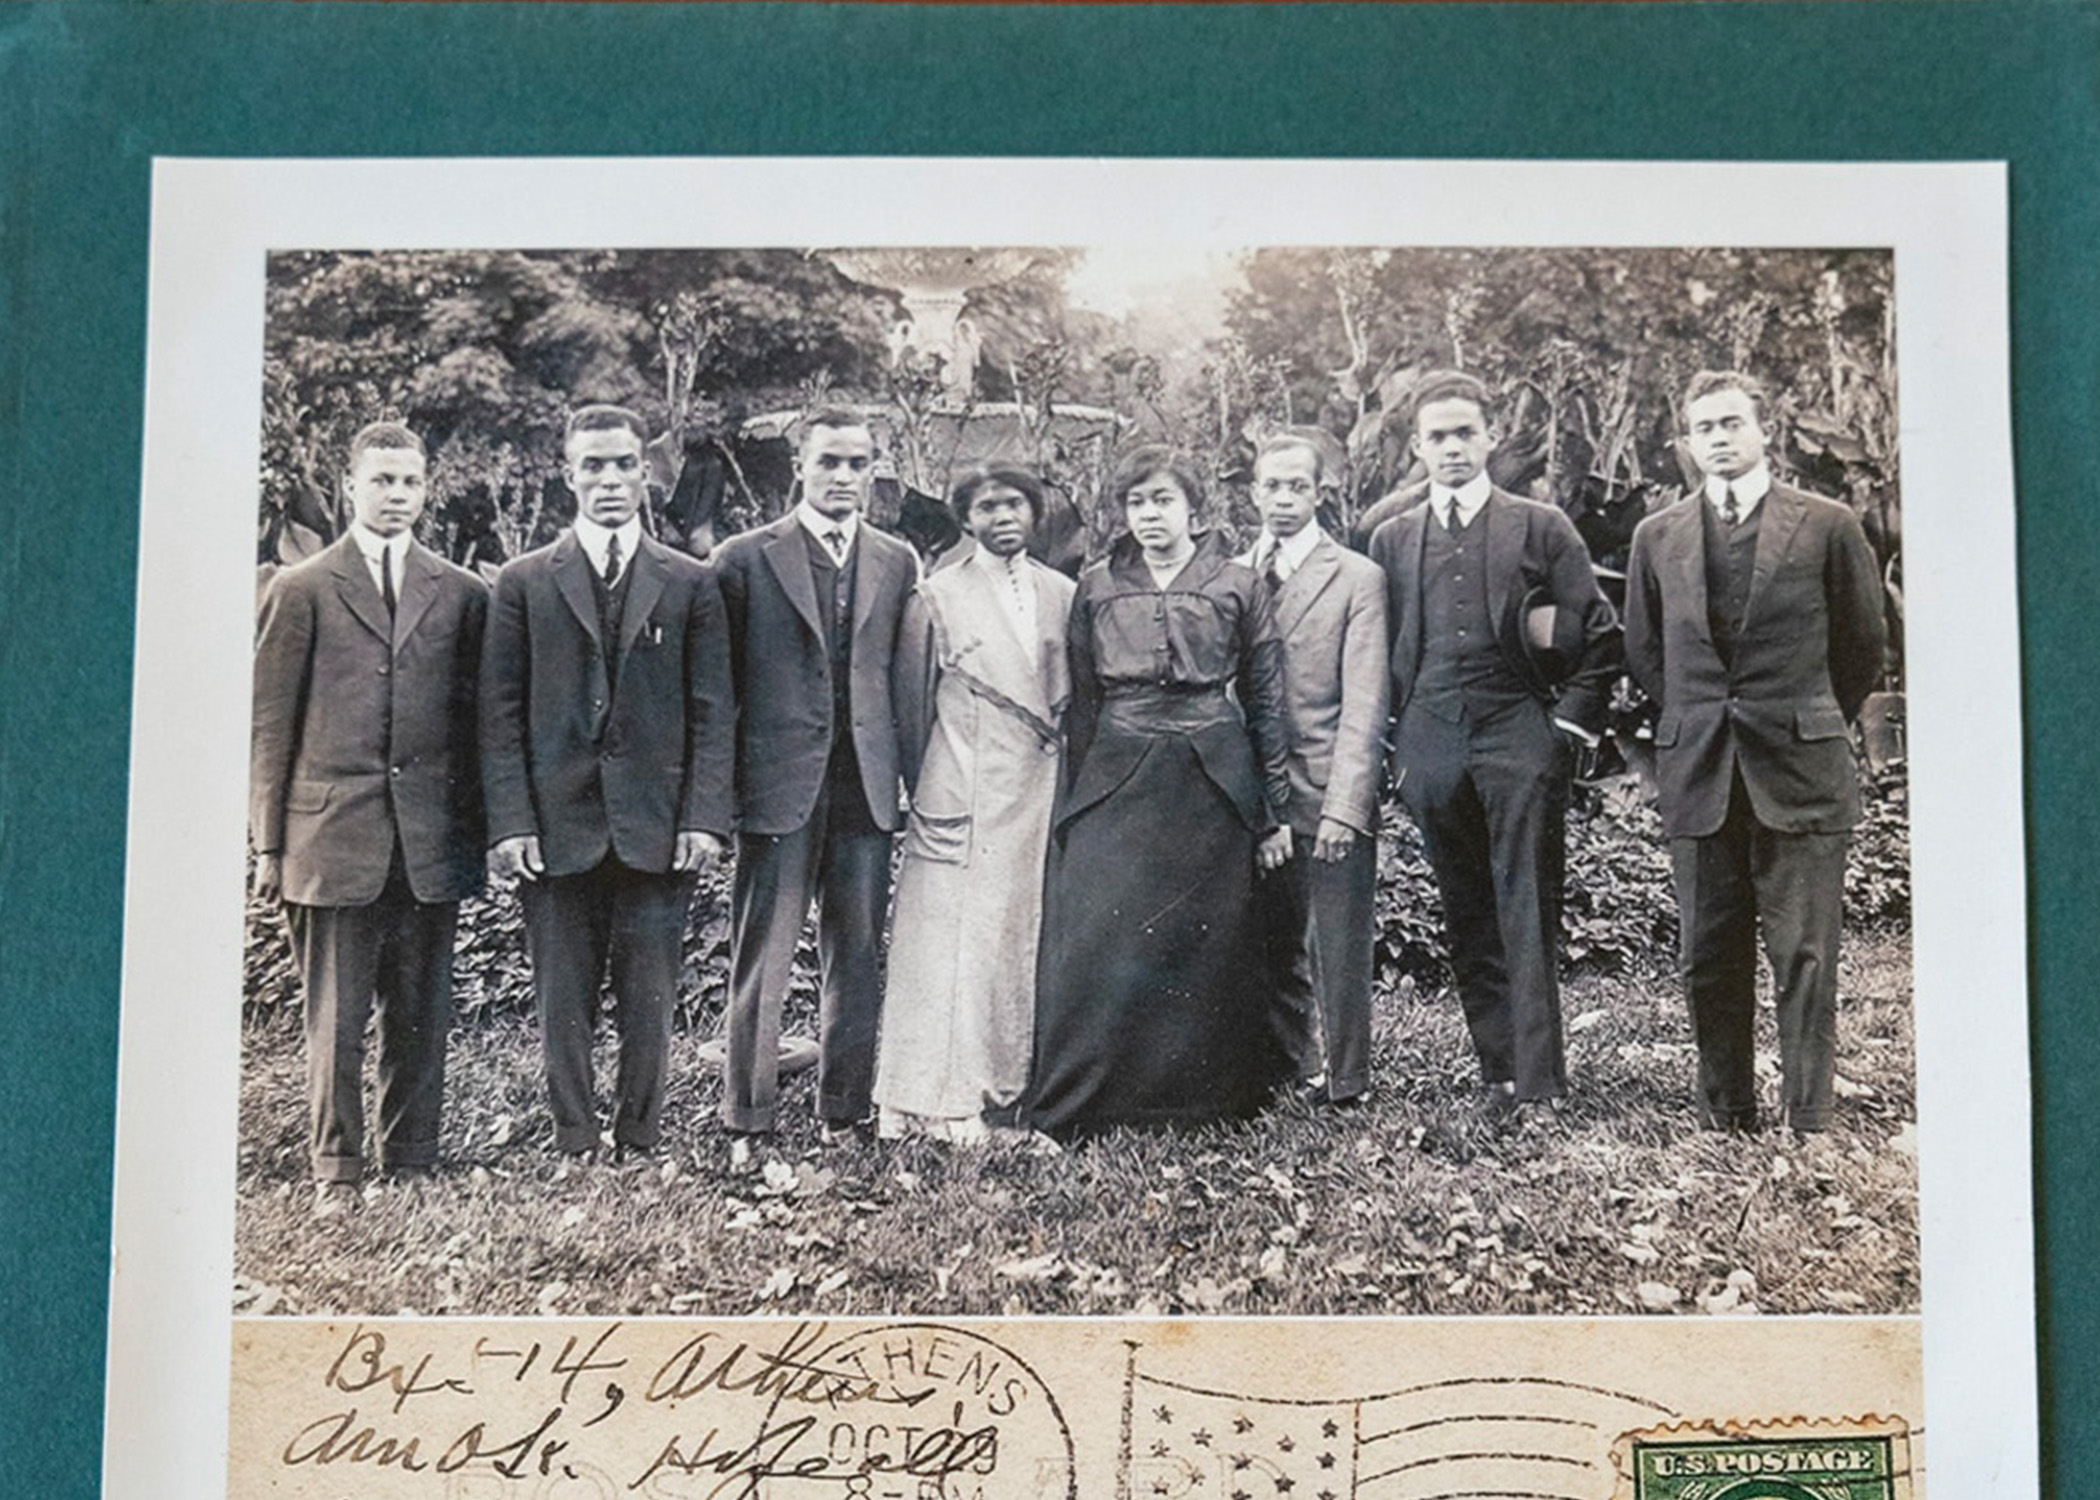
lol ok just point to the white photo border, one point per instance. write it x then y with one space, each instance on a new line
215 221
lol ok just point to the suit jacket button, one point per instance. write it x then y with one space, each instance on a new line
393 770
384 670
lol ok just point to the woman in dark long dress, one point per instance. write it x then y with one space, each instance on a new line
1152 997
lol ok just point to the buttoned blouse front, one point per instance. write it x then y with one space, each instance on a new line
1146 656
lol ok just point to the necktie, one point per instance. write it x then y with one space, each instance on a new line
612 559
1273 573
835 539
1449 515
386 579
1729 512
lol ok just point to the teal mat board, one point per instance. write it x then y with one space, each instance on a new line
89 93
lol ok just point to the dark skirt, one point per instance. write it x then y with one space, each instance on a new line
1152 999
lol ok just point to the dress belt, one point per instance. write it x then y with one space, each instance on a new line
1145 708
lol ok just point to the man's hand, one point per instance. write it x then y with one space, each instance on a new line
269 876
1274 851
515 857
695 850
1333 841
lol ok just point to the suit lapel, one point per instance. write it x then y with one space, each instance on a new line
1783 516
572 576
419 576
1687 558
1417 548
1505 553
651 572
353 581
787 554
1306 585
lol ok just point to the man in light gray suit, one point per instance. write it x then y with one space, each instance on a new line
1330 609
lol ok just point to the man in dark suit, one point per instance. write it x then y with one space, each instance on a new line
366 805
1482 736
814 603
1320 904
1754 619
607 737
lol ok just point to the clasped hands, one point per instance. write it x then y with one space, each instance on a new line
519 858
1331 844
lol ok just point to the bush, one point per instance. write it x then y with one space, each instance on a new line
1618 912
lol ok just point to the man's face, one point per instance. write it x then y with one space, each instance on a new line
837 468
1000 519
1454 440
1286 490
1726 437
604 467
386 489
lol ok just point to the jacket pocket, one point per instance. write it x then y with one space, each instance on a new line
1819 724
1666 729
308 796
941 838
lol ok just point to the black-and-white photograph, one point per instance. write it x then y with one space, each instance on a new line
1080 780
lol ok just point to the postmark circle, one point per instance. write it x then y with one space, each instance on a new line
926 1411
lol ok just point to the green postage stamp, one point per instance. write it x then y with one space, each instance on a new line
1866 1459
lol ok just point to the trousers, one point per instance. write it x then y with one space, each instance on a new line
393 956
841 860
574 926
1491 798
1317 932
1730 883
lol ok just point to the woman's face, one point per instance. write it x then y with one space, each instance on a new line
1157 511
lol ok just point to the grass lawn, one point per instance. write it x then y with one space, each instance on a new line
1409 1204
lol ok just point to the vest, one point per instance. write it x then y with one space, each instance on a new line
1462 674
1731 562
612 610
835 608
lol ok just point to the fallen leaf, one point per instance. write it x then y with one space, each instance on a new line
833 1282
1721 1302
1037 1268
1585 1021
779 1284
1658 1296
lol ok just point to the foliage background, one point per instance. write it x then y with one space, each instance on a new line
1588 350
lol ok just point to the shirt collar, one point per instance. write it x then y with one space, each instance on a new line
816 523
1749 489
593 536
371 543
1469 497
999 567
1293 550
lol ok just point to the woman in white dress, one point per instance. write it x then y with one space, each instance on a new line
980 688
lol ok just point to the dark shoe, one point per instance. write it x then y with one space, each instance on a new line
841 1133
